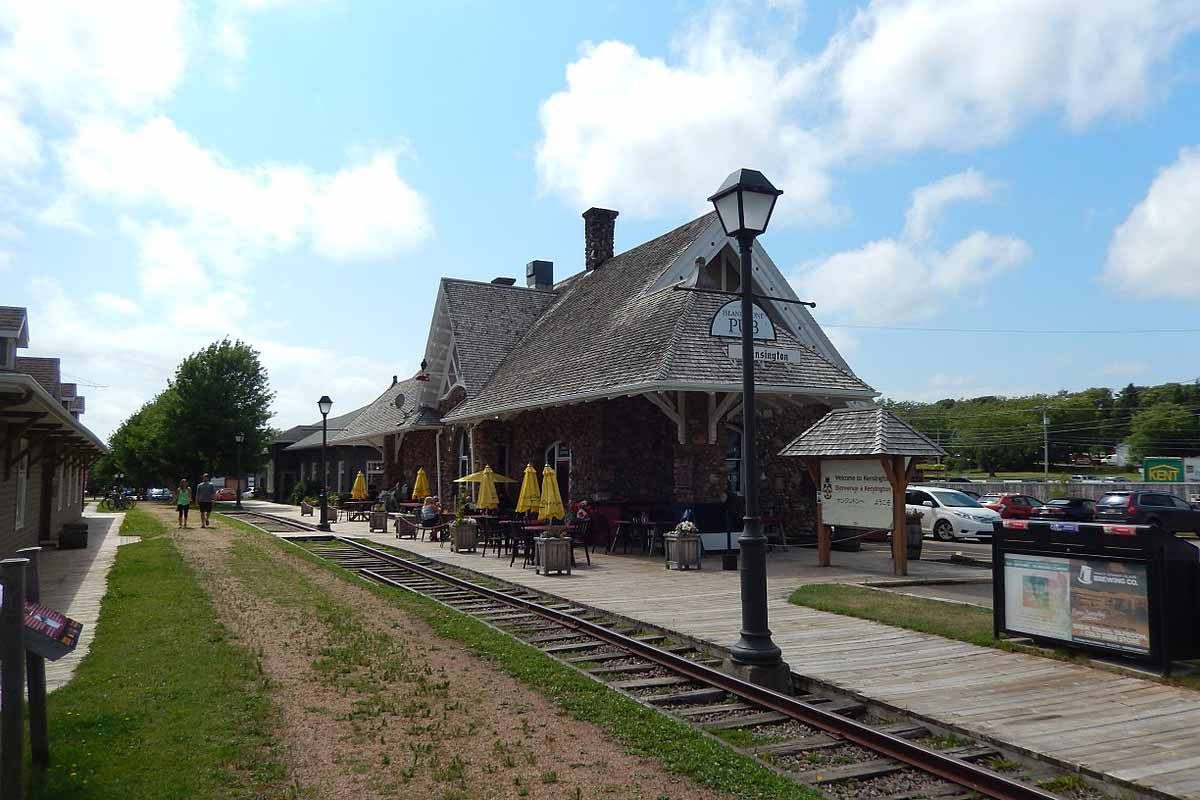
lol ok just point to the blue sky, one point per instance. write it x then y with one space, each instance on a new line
299 173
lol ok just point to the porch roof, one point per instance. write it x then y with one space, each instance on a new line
862 432
610 330
27 403
334 426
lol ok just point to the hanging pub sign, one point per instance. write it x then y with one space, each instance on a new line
727 322
49 633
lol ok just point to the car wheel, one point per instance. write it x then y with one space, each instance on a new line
943 531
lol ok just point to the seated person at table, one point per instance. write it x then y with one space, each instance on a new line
430 511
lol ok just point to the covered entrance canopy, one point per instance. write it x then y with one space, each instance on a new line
844 453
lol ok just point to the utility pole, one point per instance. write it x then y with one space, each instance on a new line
1045 444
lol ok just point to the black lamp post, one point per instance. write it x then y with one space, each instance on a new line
237 477
744 203
324 404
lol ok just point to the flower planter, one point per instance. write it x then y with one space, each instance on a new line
916 538
378 521
306 509
682 550
74 536
553 554
463 537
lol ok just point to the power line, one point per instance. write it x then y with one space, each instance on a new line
1038 331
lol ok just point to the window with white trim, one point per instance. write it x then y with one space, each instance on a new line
464 454
22 486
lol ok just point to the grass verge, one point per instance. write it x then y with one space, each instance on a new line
163 705
642 731
139 522
960 622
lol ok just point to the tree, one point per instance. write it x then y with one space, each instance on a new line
216 393
139 448
1164 429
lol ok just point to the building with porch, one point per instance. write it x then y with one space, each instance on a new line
295 455
615 378
44 448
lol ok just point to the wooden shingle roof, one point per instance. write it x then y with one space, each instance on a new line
862 432
398 408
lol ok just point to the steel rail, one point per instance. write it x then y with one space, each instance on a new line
955 770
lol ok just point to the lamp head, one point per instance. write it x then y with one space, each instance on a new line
745 202
325 404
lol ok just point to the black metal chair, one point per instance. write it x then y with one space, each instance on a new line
579 537
522 545
491 533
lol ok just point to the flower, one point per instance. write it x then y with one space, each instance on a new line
687 526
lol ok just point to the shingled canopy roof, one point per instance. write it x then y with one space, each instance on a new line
862 432
609 330
397 409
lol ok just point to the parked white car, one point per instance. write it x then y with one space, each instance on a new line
948 514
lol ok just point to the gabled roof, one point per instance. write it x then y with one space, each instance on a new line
14 324
44 370
610 330
487 320
862 432
334 426
385 416
294 434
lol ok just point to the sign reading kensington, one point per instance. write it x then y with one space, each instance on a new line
855 493
727 322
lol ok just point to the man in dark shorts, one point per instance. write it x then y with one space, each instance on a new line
205 492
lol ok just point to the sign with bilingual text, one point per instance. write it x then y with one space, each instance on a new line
855 493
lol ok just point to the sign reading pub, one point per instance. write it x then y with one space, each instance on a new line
727 322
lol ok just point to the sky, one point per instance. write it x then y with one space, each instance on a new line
971 190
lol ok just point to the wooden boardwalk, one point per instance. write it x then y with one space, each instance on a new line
74 582
1105 723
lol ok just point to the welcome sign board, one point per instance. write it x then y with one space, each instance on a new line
855 493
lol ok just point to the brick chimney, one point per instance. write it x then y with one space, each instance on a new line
598 227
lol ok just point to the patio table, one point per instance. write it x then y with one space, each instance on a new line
357 510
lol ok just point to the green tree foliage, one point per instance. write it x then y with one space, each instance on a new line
1159 429
189 428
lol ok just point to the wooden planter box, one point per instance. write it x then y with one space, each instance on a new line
463 536
916 539
306 509
553 554
74 536
682 550
378 521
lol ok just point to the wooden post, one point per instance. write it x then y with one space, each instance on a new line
12 680
824 537
35 673
893 467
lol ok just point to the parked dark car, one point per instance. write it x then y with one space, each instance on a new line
1148 508
1068 509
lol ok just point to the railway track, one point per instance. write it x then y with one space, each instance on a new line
834 744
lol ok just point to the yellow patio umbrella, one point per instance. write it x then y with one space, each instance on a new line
421 486
487 490
477 477
530 498
359 490
551 506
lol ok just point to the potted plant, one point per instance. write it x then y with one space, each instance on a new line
553 551
681 546
916 537
463 532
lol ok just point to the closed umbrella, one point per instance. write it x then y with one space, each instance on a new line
551 506
487 490
530 498
421 486
359 490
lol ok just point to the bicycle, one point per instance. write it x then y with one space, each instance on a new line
117 501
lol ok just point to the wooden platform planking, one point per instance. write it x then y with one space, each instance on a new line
1105 722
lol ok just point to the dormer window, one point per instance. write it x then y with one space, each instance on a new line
720 272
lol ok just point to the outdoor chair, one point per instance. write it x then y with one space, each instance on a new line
579 537
491 533
522 545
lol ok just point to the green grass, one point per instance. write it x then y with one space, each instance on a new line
139 522
163 706
640 730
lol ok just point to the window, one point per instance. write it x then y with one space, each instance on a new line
1153 500
22 485
918 498
1180 504
464 454
733 461
953 499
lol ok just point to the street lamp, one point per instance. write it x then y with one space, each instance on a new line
744 204
324 404
237 475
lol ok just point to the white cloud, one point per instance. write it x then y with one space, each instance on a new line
107 301
652 136
231 41
1155 252
908 277
5 260
10 232
647 137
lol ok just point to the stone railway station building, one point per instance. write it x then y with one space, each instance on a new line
44 448
613 377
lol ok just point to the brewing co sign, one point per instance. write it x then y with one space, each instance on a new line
727 322
855 493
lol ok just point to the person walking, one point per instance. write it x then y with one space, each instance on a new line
183 499
205 492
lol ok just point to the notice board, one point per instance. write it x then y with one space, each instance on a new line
1085 601
855 493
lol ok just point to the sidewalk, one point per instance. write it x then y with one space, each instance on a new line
1135 730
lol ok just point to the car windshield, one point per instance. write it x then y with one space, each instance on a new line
956 500
1114 499
990 498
